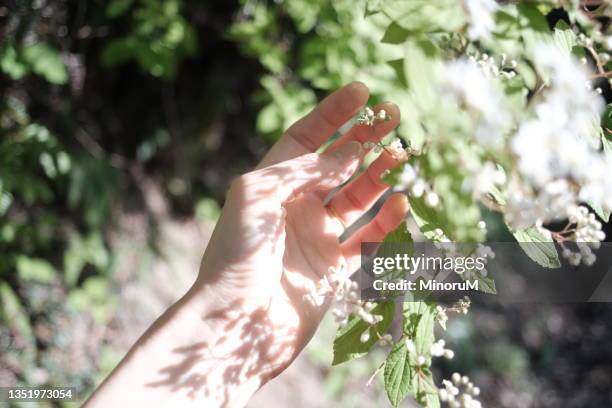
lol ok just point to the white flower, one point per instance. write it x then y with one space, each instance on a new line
485 179
459 393
410 346
557 151
406 178
337 285
481 16
431 199
418 188
469 86
438 350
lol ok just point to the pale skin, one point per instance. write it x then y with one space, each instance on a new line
246 318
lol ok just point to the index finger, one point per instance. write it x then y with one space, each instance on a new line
310 132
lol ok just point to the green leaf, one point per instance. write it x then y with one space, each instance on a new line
421 65
400 235
348 345
395 34
603 214
486 284
10 63
426 218
535 28
538 247
419 319
35 269
564 37
402 376
398 67
399 375
45 61
606 118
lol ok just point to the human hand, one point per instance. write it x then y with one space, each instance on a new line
277 236
246 317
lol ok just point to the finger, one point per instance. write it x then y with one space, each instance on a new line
364 133
309 172
390 216
357 197
307 134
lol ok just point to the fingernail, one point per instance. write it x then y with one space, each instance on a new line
349 150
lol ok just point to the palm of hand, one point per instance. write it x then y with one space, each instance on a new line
288 238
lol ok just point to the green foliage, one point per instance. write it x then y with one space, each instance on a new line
403 375
34 269
348 345
539 247
400 49
41 239
41 59
159 37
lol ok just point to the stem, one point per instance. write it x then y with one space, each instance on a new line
380 367
600 68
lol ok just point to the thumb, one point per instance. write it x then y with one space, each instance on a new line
305 173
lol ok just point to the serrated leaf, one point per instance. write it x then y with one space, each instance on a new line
539 247
564 37
399 375
486 284
348 345
419 319
402 376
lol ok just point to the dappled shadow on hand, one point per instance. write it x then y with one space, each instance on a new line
251 350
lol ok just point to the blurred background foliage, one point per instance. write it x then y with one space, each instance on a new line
150 107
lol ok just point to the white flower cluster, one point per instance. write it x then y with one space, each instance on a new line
460 392
484 179
395 148
462 306
338 285
481 16
585 231
369 118
482 95
557 151
417 186
503 68
437 350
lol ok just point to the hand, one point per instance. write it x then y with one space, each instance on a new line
276 238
